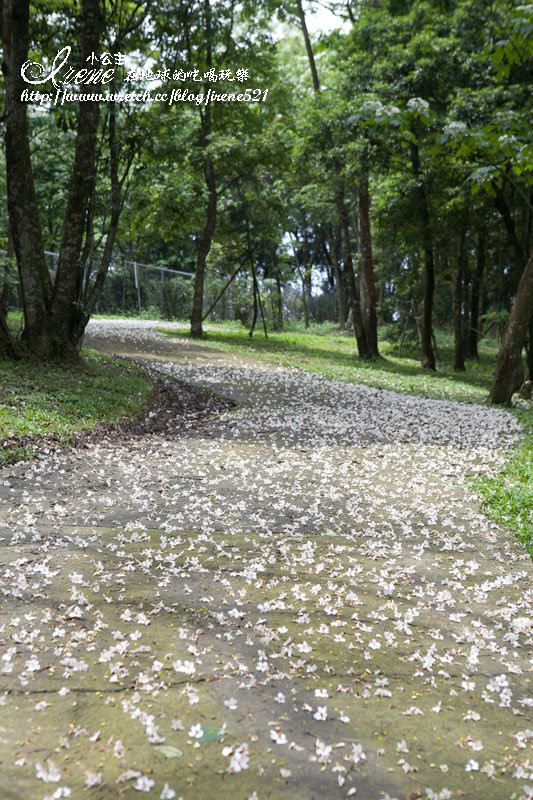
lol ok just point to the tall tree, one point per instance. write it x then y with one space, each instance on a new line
366 269
366 339
459 279
23 209
205 236
426 328
57 311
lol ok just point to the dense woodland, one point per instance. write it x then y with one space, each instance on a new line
384 178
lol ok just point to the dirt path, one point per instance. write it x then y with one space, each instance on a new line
299 599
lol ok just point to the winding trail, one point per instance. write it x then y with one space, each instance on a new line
296 599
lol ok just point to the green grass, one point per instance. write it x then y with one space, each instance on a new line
334 355
51 399
507 496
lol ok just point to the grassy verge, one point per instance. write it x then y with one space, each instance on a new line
55 400
334 355
507 497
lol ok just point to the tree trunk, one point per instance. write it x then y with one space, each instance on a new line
503 207
458 290
459 355
475 296
309 49
202 250
530 349
428 355
509 374
279 292
304 291
66 307
305 268
366 270
334 261
254 313
8 343
90 295
23 210
309 292
362 346
4 294
206 236
54 316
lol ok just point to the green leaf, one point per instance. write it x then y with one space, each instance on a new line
212 734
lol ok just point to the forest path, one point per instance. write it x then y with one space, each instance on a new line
299 598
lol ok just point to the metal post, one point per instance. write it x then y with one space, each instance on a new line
138 289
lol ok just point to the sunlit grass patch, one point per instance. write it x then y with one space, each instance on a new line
334 355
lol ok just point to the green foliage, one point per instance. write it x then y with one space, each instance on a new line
508 496
453 78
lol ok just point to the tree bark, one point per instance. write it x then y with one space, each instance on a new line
279 292
342 214
334 261
54 316
509 374
530 349
22 204
5 292
206 236
503 207
458 293
202 250
66 306
428 355
308 47
304 290
366 270
475 297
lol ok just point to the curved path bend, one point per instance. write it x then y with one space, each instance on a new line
296 599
